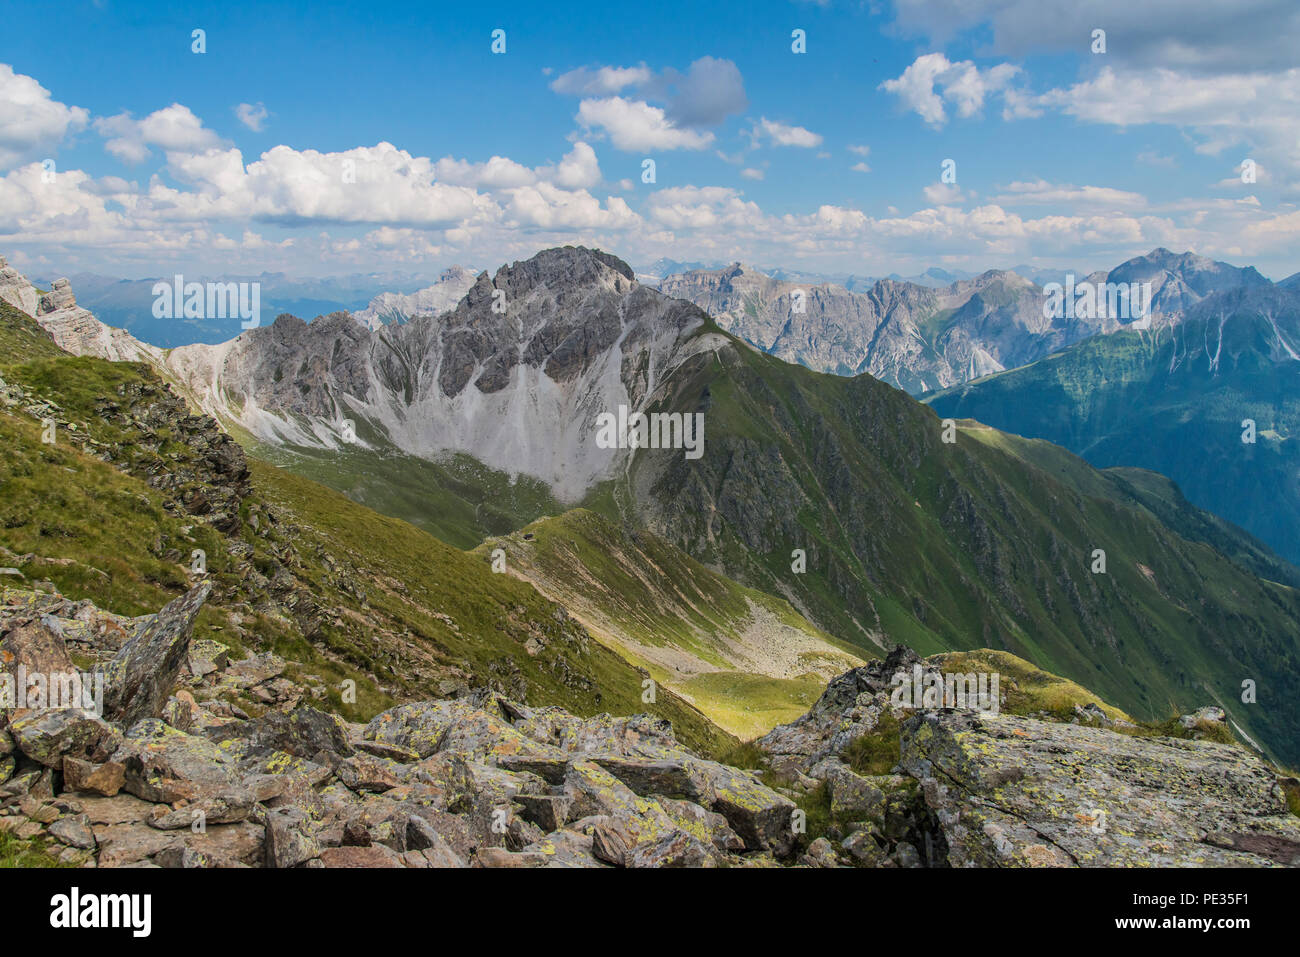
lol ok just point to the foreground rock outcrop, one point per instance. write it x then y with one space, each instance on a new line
1014 791
161 779
167 773
976 788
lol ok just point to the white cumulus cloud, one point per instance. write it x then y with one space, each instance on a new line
636 126
962 84
32 122
174 128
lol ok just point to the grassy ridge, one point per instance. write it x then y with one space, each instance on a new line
460 500
747 659
1172 402
958 546
423 582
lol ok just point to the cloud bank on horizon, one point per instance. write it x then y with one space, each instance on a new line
967 133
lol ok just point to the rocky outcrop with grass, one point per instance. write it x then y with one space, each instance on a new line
1012 791
174 773
1067 782
72 327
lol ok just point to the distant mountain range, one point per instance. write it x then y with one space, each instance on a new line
663 267
392 307
128 303
921 337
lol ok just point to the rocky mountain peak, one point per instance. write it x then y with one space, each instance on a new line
564 266
452 273
514 374
1001 275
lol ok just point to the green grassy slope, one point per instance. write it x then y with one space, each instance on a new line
748 660
22 338
340 591
1153 492
1173 402
460 501
958 546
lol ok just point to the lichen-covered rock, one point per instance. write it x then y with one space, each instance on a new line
254 670
864 848
850 707
547 811
820 853
594 792
853 797
565 848
289 838
229 807
1011 791
673 850
36 649
140 677
609 842
703 824
640 735
678 775
456 726
304 732
132 842
1211 714
74 831
165 765
104 779
207 656
49 736
761 816
365 772
500 857
352 857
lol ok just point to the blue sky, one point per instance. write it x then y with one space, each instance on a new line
827 160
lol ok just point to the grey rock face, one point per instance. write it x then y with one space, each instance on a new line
1179 281
139 679
59 297
16 290
51 735
1013 791
514 375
